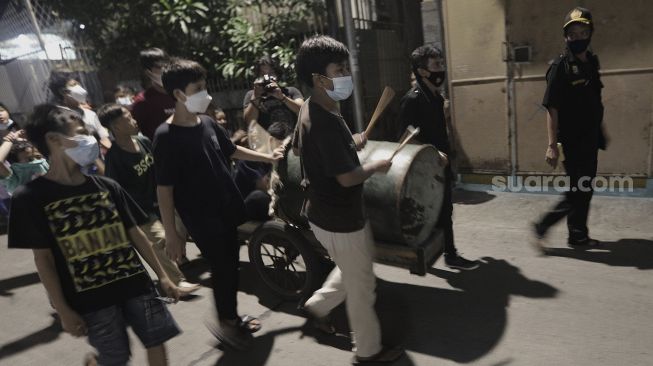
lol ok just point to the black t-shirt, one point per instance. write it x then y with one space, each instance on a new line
328 150
247 173
574 89
274 110
195 160
86 227
423 109
134 171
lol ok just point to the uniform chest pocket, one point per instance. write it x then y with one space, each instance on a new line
579 82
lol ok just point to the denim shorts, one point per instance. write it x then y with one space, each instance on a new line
148 317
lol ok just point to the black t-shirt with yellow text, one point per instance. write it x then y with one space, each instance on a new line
86 227
134 171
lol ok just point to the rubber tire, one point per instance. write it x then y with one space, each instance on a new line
315 265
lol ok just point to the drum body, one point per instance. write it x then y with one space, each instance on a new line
402 205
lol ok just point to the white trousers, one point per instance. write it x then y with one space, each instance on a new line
352 280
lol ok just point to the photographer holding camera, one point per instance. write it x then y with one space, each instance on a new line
268 102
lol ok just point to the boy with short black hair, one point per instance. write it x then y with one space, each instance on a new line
83 230
131 163
335 196
193 173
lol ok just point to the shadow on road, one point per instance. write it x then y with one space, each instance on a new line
46 335
8 284
636 253
463 197
461 326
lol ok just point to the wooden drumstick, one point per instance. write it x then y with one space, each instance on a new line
385 99
412 132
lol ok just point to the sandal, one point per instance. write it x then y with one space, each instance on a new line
250 323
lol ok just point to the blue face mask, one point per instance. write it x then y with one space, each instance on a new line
342 88
25 172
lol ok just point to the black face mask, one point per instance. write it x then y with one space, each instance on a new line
578 46
436 78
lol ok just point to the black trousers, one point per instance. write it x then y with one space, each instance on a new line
575 204
218 244
445 220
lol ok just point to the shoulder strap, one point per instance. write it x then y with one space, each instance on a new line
300 144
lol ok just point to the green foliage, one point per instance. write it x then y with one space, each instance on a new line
218 33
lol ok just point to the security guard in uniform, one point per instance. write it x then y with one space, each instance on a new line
574 119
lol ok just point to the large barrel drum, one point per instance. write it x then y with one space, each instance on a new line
402 205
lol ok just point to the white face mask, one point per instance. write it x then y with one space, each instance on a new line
86 151
342 88
5 126
126 101
198 102
78 93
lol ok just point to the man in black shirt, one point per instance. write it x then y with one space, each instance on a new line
423 107
268 102
335 195
575 120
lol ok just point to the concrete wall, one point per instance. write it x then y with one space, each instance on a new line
475 31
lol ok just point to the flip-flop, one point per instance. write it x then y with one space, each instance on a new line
250 323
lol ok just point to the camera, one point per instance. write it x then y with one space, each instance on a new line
268 83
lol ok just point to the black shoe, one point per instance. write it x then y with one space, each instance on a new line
386 355
456 261
538 240
232 335
583 243
538 230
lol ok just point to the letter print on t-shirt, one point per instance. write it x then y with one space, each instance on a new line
93 240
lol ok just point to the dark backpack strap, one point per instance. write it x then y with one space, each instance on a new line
305 183
300 144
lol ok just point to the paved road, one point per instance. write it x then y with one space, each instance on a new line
569 308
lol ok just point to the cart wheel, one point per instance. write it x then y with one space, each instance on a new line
285 261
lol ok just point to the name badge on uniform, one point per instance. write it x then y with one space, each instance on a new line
574 69
579 81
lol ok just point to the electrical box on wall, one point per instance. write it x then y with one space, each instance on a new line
518 54
522 54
